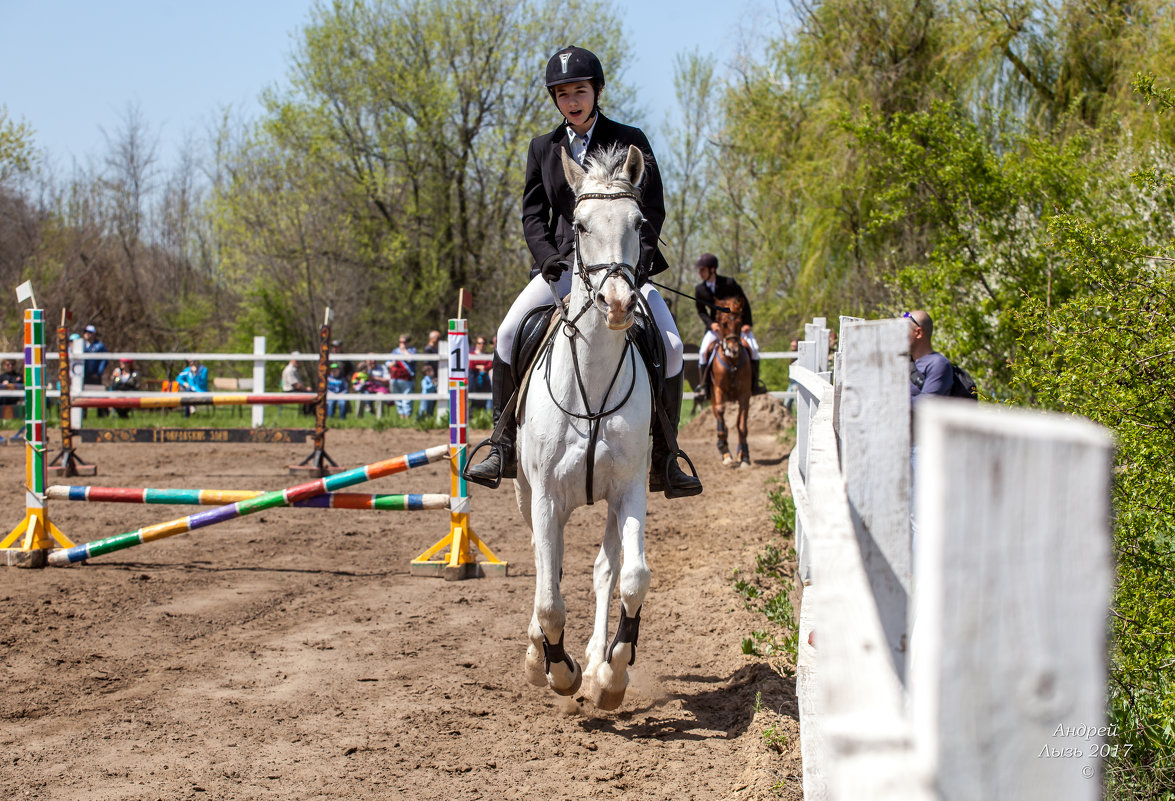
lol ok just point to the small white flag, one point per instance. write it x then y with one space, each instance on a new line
24 291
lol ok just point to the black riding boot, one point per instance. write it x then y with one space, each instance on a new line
757 387
681 484
706 376
501 462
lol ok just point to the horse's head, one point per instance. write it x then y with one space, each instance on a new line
608 222
731 324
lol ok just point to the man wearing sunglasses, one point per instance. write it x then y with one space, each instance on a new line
926 363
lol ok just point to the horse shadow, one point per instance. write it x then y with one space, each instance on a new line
720 708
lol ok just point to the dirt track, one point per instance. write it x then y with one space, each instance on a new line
291 656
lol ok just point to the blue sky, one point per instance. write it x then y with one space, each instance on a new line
71 68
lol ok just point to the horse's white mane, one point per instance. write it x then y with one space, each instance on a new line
606 168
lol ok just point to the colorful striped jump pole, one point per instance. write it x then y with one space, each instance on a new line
196 497
35 532
174 400
268 500
460 563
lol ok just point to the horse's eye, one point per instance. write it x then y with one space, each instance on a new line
640 223
580 227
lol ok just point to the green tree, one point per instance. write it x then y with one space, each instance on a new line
16 147
387 173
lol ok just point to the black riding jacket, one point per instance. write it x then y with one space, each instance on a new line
548 204
724 287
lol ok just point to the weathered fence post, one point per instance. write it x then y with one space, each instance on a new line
875 459
1013 576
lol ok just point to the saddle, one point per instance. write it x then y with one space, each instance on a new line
534 335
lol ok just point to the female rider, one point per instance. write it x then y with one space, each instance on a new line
574 79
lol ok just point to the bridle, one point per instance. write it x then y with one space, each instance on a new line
613 269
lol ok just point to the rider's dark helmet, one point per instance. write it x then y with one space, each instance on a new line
574 64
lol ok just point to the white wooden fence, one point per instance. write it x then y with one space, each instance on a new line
966 660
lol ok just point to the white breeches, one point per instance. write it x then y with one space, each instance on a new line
536 294
748 337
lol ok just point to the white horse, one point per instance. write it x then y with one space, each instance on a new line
591 385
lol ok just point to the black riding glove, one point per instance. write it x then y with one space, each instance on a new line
552 269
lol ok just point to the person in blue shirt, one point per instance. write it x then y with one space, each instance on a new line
335 382
428 383
932 366
193 378
92 369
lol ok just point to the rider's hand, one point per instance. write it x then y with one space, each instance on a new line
746 329
553 267
717 329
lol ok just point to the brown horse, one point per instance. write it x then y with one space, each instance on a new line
731 365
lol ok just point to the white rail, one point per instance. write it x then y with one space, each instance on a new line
965 661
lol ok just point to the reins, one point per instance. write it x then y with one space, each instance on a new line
571 331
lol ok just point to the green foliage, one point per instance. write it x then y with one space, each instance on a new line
978 210
1109 354
16 146
390 167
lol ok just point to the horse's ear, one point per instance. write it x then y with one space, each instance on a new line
634 165
573 172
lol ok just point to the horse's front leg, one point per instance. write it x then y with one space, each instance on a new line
604 579
719 407
744 450
547 662
609 680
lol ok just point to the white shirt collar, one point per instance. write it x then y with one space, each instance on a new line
579 144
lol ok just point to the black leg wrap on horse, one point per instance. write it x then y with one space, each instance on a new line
627 631
554 653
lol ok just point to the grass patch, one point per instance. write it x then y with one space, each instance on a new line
768 590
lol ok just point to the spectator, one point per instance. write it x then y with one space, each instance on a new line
925 362
335 382
403 374
92 369
434 346
292 376
345 367
125 378
428 384
10 378
359 384
193 378
479 372
375 382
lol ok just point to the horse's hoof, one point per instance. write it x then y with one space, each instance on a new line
576 681
727 461
535 671
743 465
606 699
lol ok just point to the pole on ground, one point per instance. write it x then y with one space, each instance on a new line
319 463
269 500
219 497
35 533
460 563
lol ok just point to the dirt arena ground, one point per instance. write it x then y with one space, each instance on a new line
290 655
